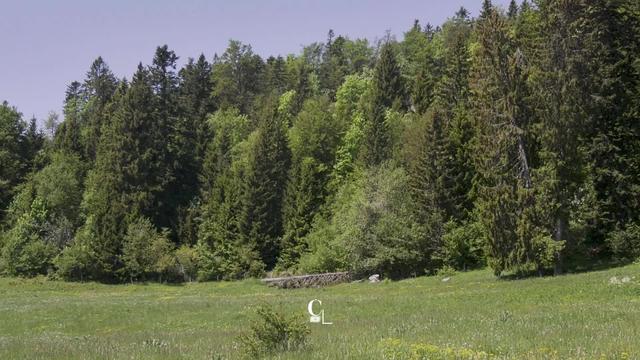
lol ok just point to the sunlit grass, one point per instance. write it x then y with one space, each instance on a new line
579 316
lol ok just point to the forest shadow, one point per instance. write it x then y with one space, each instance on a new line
573 267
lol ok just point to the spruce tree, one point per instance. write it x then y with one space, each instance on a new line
487 8
313 140
224 253
237 77
510 205
68 136
562 97
612 38
388 92
513 9
98 88
130 173
264 187
12 142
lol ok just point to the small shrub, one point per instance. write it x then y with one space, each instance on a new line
446 271
25 253
76 261
625 243
147 252
462 245
187 260
274 332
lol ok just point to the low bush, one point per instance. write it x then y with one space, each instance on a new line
625 243
274 332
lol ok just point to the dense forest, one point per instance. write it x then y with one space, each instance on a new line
510 140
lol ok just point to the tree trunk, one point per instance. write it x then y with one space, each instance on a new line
524 164
561 225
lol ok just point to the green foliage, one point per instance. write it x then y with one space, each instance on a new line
223 253
16 153
60 185
274 332
387 91
187 262
462 245
350 108
236 77
509 139
146 252
372 229
77 259
130 172
313 140
611 38
97 90
625 243
263 187
24 251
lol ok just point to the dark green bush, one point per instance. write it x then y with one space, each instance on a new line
462 245
625 243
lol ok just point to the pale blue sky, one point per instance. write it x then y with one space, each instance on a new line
46 44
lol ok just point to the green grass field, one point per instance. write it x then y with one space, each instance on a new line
579 316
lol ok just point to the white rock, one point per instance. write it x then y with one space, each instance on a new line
446 279
625 279
374 278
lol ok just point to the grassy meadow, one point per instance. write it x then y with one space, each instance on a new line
473 315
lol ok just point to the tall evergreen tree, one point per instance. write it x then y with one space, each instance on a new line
224 252
130 174
264 187
68 137
12 143
510 205
562 96
313 140
237 77
487 8
513 9
388 92
612 44
98 88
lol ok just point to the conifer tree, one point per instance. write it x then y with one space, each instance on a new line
511 207
276 75
313 140
68 136
130 173
513 9
487 8
224 253
611 44
388 92
237 77
12 143
98 88
562 96
453 88
260 221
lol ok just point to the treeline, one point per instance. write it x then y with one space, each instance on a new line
510 140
